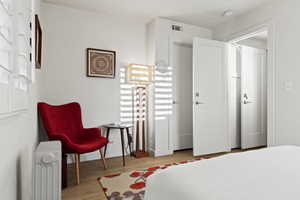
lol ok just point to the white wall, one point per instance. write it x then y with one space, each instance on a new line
67 34
18 142
285 16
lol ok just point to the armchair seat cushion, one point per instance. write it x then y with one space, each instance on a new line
86 144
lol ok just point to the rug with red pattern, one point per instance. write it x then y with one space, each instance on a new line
130 185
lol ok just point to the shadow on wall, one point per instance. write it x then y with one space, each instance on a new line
42 132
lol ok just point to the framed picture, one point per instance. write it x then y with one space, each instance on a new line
38 43
101 63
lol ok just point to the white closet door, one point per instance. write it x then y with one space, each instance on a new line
210 106
253 68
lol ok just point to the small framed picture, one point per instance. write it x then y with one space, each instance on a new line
101 63
38 43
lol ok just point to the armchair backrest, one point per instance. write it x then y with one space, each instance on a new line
61 120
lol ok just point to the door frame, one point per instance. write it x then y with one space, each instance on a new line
181 40
174 82
271 73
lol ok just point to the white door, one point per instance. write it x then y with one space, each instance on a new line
254 96
182 62
210 103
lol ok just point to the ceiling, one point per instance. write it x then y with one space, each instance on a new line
206 13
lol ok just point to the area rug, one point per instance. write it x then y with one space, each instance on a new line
131 185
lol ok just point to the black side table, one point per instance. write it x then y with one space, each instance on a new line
121 127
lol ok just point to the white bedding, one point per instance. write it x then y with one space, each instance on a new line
268 174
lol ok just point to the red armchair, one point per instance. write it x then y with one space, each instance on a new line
64 123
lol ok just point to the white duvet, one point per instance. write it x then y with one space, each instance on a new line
269 174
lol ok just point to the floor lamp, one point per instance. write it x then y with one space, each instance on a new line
141 76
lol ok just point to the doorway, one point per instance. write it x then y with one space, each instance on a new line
248 91
182 63
232 93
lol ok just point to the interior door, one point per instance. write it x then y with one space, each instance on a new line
210 103
254 96
182 62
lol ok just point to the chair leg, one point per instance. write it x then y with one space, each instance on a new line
103 159
77 162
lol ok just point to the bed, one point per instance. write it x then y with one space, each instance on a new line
267 174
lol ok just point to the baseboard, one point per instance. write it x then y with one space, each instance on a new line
185 141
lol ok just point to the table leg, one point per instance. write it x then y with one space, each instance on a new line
107 137
64 167
129 138
122 142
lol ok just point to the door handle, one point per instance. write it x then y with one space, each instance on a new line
247 102
199 103
174 102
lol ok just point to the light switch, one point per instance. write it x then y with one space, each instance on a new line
288 86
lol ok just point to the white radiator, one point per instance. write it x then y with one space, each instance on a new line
47 174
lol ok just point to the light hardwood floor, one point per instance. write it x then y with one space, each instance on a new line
89 188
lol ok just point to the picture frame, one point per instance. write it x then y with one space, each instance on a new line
101 63
38 43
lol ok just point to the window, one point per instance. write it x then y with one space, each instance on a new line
15 50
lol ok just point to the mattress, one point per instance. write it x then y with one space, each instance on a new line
267 174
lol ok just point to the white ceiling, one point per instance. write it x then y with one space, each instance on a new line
207 13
